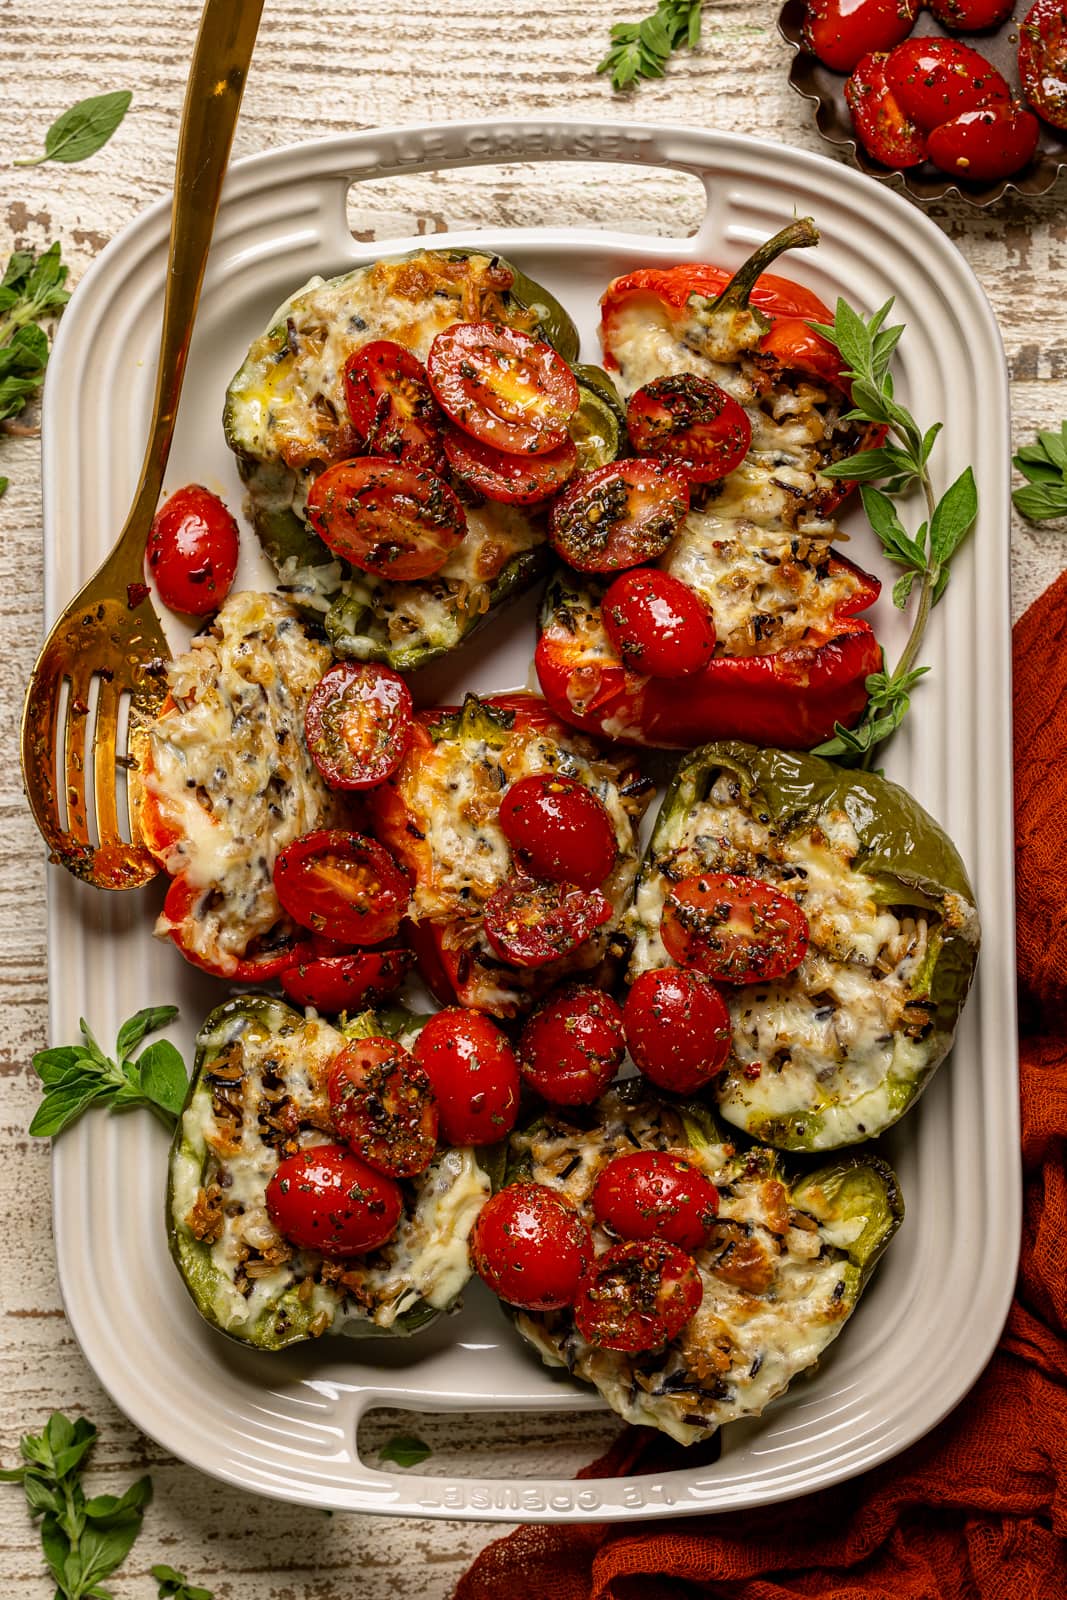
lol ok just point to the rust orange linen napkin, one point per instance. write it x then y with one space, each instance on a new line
977 1510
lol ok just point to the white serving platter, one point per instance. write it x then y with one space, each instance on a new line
286 1425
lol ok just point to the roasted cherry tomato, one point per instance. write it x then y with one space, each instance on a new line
343 885
881 126
192 551
385 518
474 1075
637 1296
559 829
264 957
333 983
512 479
618 516
987 144
689 423
358 724
935 79
390 404
657 625
529 923
531 1247
504 387
383 1106
677 1028
841 32
972 16
1043 60
654 1194
736 929
573 1046
327 1199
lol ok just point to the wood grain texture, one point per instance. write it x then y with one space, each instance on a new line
325 69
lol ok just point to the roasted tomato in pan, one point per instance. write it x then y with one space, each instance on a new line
573 1046
263 958
502 386
531 1247
735 929
343 885
390 404
1043 60
192 551
654 1194
677 1028
689 423
637 1296
383 1106
841 32
529 923
327 1199
617 516
935 79
973 16
881 126
513 480
474 1075
559 829
358 724
342 981
657 625
386 518
987 144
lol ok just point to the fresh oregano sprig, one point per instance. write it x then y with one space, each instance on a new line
1044 466
82 130
900 464
405 1449
31 292
77 1076
175 1586
642 49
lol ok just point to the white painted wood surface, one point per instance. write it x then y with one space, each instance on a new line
322 69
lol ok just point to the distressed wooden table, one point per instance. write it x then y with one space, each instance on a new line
324 69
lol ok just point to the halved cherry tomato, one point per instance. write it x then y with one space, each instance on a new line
841 32
637 1296
192 551
358 724
935 79
514 480
654 1194
385 518
327 1199
985 145
690 423
390 404
383 1106
973 16
502 386
736 929
619 515
677 1028
559 829
266 956
1043 60
880 124
342 884
573 1046
657 625
474 1075
529 923
531 1247
333 983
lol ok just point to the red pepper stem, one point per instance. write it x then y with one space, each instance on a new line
795 236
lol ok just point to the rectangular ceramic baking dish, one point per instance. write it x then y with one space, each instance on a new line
286 1425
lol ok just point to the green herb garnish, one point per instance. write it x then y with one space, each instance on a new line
31 292
77 1076
175 1586
1044 466
642 49
866 348
405 1450
83 130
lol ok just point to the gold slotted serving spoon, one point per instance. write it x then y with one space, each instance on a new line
110 632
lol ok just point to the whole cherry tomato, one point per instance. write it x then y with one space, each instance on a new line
657 625
736 929
502 386
529 923
390 404
637 1296
971 16
987 144
385 518
654 1194
841 32
559 829
383 1106
881 126
511 479
333 983
192 551
1043 60
689 423
677 1028
358 723
327 1199
343 885
619 515
573 1046
474 1075
531 1247
935 79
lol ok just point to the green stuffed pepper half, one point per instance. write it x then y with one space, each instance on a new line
258 1093
783 1267
286 419
837 1050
